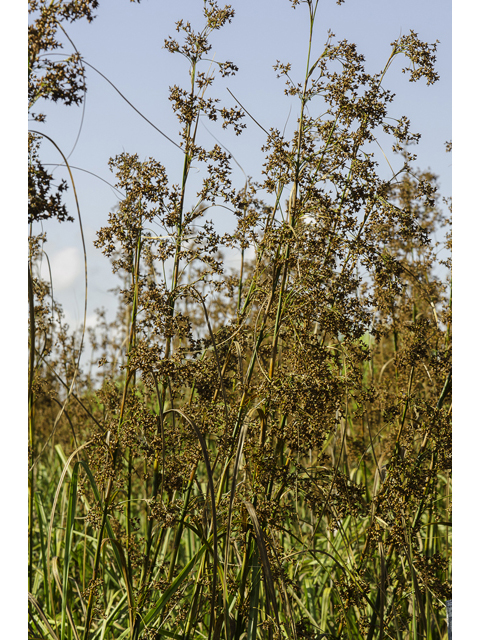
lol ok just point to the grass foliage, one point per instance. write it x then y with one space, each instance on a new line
265 453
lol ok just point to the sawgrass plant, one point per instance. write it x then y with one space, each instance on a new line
265 453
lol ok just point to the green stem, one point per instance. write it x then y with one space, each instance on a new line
108 491
31 479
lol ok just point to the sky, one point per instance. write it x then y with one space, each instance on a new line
126 44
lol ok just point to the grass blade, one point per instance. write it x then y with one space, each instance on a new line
72 504
264 557
64 595
153 614
43 617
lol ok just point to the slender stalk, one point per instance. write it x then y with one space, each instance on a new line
31 420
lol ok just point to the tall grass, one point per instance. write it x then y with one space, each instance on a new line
266 453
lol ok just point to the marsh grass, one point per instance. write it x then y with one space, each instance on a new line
266 453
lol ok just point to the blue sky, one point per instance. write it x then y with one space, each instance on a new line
125 42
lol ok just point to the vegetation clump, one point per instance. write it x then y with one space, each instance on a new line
264 453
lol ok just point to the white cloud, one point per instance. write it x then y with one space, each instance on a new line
66 265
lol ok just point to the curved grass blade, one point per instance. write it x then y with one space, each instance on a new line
206 457
42 616
254 598
65 606
96 493
77 364
267 572
153 614
100 633
72 504
241 441
131 599
42 525
108 526
66 469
